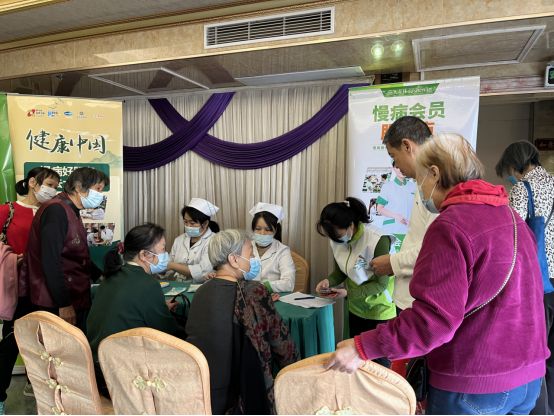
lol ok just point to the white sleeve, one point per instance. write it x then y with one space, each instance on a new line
287 270
173 250
199 270
404 261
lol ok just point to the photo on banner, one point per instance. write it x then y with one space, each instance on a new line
447 106
65 134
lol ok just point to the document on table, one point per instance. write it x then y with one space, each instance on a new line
192 288
306 301
174 291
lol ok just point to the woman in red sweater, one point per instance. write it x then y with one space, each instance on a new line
39 186
477 285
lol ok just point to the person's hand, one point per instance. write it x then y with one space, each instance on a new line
68 314
381 265
345 358
336 293
210 276
275 296
404 221
171 304
324 284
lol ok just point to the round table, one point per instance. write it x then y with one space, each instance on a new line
312 329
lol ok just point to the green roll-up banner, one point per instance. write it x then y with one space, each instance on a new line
7 182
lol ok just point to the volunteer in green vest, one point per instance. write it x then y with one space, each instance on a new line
355 242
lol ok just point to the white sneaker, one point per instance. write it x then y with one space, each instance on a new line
28 390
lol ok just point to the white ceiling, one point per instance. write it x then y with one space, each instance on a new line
77 14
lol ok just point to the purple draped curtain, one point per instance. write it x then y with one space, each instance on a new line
192 135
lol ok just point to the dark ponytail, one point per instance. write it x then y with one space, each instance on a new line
141 237
40 174
341 215
214 226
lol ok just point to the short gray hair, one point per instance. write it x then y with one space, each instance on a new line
224 243
454 156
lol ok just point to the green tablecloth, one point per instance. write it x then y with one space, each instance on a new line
97 253
312 329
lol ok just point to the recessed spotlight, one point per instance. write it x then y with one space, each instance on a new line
377 50
397 47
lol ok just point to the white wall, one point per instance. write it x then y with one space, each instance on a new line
499 126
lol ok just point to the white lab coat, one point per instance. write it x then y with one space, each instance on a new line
196 257
277 267
107 235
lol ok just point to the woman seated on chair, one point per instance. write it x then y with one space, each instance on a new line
278 270
130 297
189 254
234 323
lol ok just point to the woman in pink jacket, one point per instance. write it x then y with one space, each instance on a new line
477 314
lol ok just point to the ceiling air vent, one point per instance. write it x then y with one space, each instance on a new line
267 28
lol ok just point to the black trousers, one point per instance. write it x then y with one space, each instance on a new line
545 402
8 346
358 325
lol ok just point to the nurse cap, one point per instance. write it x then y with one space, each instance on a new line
205 207
276 210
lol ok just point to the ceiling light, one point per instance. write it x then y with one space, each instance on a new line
377 50
397 47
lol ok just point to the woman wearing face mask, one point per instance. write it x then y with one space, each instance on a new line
131 297
355 243
57 270
278 270
38 187
477 315
252 340
189 253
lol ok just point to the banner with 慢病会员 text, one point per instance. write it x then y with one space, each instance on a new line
64 134
447 106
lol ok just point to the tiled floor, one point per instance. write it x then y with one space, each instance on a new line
17 403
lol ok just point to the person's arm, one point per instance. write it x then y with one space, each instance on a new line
287 270
337 276
179 268
53 231
440 288
402 263
155 310
390 214
519 199
375 284
199 270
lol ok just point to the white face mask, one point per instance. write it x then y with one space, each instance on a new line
45 193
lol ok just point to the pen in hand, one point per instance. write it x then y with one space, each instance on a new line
307 297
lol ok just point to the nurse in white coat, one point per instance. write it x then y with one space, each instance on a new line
189 253
278 270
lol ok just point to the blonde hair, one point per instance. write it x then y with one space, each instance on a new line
454 156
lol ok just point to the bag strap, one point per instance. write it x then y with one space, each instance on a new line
4 234
550 216
530 202
509 272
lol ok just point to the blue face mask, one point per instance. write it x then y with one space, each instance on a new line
255 268
92 200
428 203
193 232
345 238
512 179
263 240
163 260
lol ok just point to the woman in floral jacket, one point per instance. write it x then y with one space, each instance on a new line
234 323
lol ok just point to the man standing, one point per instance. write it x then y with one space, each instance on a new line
403 139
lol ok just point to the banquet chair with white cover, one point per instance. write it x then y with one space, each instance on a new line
150 372
306 387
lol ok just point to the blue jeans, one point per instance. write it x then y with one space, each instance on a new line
519 401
